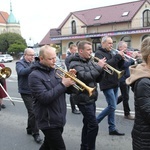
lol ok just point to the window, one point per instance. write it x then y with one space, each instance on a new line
127 39
125 13
145 36
146 18
70 43
97 17
73 27
96 43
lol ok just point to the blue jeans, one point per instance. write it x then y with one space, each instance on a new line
90 126
111 96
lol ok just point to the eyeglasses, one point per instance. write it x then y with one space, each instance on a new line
30 55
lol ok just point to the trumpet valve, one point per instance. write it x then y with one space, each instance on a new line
71 74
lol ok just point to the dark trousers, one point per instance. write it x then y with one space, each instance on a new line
53 139
90 126
31 122
124 97
72 103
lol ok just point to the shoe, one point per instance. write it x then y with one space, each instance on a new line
3 106
129 117
76 111
29 132
37 138
115 132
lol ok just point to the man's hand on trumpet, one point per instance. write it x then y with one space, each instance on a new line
66 81
72 72
122 54
102 62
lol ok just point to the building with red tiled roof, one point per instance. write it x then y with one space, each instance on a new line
47 39
8 22
127 21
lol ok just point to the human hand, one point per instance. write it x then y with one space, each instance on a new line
122 54
67 82
102 62
72 72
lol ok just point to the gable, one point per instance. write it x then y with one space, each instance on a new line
3 17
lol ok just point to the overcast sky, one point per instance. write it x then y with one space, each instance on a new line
37 17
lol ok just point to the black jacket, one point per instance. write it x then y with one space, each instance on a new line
141 128
67 60
140 82
116 61
89 73
49 97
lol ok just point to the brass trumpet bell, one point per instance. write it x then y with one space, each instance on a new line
111 70
5 72
79 84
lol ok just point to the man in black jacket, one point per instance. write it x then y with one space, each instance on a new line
73 50
48 91
109 85
124 88
89 73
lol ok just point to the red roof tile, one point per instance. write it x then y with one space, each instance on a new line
3 17
109 14
47 40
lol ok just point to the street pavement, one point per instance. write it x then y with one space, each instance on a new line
14 118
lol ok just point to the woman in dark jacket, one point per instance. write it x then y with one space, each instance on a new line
140 81
48 91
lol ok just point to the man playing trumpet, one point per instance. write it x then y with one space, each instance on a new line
48 91
89 73
109 84
124 88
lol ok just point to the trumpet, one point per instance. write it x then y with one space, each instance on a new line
126 56
109 69
5 73
82 86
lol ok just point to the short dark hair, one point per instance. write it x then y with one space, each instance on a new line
82 43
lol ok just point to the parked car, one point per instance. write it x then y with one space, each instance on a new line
6 58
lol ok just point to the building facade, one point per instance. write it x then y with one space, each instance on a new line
8 22
128 21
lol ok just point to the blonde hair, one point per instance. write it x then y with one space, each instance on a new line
72 46
145 48
44 48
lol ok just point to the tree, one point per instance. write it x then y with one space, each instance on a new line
12 42
16 48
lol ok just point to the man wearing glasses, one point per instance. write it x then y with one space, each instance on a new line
23 69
